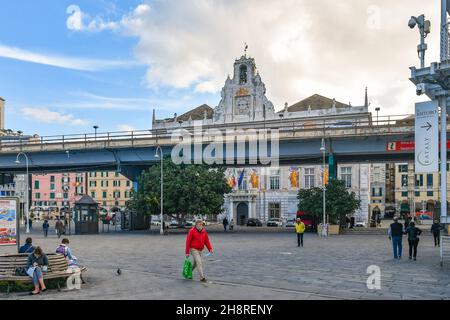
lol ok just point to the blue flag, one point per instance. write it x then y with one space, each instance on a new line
241 178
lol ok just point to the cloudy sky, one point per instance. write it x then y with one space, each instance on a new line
68 65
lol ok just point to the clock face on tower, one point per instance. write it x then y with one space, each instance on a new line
242 106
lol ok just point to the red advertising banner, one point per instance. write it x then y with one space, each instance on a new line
405 146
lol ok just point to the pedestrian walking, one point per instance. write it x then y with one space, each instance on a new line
300 230
30 222
413 239
45 227
378 221
225 224
436 231
232 224
395 233
196 241
59 227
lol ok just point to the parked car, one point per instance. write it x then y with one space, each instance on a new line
290 223
174 223
275 222
424 215
360 224
189 223
156 222
308 220
252 222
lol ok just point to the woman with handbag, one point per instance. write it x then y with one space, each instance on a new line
37 264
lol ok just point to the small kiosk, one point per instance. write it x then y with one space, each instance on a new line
86 216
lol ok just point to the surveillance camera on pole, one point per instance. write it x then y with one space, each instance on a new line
421 89
424 29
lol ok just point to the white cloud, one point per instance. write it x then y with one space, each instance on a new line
87 100
301 47
125 127
45 115
82 64
77 21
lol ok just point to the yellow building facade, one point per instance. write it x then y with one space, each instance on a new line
109 189
416 191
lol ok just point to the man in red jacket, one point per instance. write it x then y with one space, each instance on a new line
196 240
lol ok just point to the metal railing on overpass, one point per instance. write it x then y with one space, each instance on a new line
288 129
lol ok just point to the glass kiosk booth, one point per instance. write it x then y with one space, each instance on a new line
86 215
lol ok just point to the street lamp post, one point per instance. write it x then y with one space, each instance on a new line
323 150
159 149
96 128
377 109
27 191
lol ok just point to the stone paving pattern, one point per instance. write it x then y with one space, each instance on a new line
248 265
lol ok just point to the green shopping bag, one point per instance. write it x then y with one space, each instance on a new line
187 269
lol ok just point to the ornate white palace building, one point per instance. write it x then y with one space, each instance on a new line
271 192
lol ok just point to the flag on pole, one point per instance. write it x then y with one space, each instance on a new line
241 178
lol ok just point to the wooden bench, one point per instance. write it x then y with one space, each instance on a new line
57 268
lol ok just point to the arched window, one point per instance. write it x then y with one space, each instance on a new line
243 74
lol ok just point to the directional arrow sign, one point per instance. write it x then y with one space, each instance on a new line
428 126
427 137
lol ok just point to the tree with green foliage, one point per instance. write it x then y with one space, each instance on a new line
339 201
188 190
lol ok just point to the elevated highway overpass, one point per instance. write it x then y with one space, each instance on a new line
131 152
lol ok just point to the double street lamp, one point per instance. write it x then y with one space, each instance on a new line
27 190
161 157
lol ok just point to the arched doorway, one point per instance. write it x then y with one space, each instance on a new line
242 213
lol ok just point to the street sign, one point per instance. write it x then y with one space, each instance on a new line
395 146
427 137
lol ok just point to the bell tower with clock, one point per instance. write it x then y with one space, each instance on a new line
243 96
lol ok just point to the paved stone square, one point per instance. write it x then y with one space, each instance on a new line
248 265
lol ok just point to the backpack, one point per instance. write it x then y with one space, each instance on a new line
62 250
20 272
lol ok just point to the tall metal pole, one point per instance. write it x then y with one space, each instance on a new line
27 190
444 32
161 229
323 149
443 103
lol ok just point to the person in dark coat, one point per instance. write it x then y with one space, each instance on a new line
45 227
59 227
225 224
395 233
413 239
27 247
436 231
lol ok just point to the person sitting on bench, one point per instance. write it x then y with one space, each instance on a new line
64 249
36 264
27 247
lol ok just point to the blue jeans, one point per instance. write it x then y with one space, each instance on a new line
397 244
37 275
